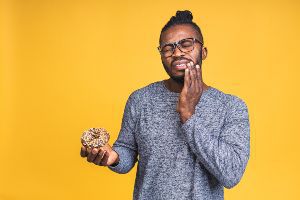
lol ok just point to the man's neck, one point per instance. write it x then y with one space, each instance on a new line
173 86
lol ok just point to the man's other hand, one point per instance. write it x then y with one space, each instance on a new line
103 156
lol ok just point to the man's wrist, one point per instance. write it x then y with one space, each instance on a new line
116 162
185 116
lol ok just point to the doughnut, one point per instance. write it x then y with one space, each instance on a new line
95 137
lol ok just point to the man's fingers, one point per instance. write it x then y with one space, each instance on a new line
92 155
104 159
193 76
99 157
186 79
199 73
198 78
83 152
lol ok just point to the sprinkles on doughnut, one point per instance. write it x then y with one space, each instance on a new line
95 137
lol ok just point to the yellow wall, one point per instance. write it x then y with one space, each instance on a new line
67 66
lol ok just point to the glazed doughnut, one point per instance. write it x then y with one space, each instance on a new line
95 137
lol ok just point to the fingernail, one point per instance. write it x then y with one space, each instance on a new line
94 151
197 66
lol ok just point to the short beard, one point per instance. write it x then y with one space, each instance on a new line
178 79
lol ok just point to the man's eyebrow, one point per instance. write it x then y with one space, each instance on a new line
166 43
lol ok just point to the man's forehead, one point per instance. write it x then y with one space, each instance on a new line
179 32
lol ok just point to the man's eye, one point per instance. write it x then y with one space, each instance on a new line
167 48
186 43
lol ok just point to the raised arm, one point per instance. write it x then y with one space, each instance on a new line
224 149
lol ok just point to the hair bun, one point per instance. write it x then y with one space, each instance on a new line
186 15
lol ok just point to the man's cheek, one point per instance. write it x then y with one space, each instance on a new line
167 64
197 58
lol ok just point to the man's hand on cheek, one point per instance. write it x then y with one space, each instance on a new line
191 92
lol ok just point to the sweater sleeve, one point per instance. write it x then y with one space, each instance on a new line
223 149
126 145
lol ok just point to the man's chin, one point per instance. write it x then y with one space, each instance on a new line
178 79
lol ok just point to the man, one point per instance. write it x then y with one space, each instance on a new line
192 140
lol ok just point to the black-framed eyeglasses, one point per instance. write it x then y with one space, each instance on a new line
185 45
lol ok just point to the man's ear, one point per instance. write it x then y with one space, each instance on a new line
204 53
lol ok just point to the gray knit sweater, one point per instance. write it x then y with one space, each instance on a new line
176 161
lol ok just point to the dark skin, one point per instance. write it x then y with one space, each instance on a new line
103 156
193 86
190 91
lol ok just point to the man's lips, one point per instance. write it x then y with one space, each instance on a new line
182 64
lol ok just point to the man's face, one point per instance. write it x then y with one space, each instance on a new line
176 64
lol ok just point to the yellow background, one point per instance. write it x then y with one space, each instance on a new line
67 66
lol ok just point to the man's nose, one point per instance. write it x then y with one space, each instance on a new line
177 52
